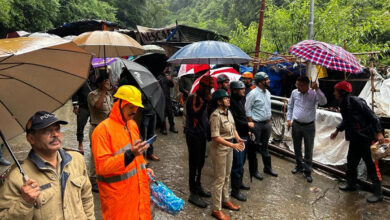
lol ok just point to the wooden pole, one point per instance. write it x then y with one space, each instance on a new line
372 83
258 40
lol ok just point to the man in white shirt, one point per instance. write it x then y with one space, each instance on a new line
301 115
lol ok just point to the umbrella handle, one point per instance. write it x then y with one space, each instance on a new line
25 177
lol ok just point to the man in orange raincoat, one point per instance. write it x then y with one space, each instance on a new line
121 171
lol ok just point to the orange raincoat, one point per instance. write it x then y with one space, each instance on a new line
124 191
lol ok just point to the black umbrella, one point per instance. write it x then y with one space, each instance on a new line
148 84
155 62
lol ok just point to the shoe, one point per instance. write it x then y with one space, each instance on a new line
268 166
204 193
229 205
269 171
4 162
239 196
297 170
173 129
377 195
219 215
244 187
308 177
349 187
197 200
164 132
152 157
258 175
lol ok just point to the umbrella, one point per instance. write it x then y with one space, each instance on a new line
154 49
98 62
327 55
146 82
154 62
37 73
108 44
206 52
41 34
186 69
230 72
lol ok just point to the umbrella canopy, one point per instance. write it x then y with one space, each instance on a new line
154 62
154 49
37 73
230 72
327 55
99 62
206 52
186 69
148 84
108 44
41 34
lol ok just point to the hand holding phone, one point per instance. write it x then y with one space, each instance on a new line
151 140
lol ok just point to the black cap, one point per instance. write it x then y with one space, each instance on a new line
42 119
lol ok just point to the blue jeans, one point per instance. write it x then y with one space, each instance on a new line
148 126
238 167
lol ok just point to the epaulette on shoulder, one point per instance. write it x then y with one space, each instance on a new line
6 173
71 149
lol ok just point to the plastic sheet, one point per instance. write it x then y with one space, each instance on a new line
163 198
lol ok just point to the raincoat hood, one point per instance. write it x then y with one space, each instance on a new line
115 113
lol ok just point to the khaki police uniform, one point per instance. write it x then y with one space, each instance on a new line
221 124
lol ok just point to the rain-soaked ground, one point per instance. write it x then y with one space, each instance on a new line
285 197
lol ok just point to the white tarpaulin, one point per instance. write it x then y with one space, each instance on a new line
326 151
381 98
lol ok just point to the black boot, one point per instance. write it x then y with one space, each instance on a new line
239 196
236 182
258 175
268 167
349 186
377 196
243 186
197 200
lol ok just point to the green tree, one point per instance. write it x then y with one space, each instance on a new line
72 10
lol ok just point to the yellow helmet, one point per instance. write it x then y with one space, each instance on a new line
131 94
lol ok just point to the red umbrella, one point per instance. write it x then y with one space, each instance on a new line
327 55
230 72
186 69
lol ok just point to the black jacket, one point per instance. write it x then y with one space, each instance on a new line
358 119
237 107
166 86
197 122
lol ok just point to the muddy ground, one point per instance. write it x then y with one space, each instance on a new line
285 197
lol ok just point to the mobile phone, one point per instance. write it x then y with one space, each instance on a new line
152 139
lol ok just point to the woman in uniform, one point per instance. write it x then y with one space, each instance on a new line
223 131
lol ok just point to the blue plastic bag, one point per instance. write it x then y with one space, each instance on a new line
163 198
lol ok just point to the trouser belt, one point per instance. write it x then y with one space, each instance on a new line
261 122
114 179
304 123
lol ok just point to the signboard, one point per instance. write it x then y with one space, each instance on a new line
151 35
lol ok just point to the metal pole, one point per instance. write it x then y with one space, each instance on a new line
25 177
310 33
372 83
259 30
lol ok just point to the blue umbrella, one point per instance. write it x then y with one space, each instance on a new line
209 52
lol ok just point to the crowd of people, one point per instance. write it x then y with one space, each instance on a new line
235 118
